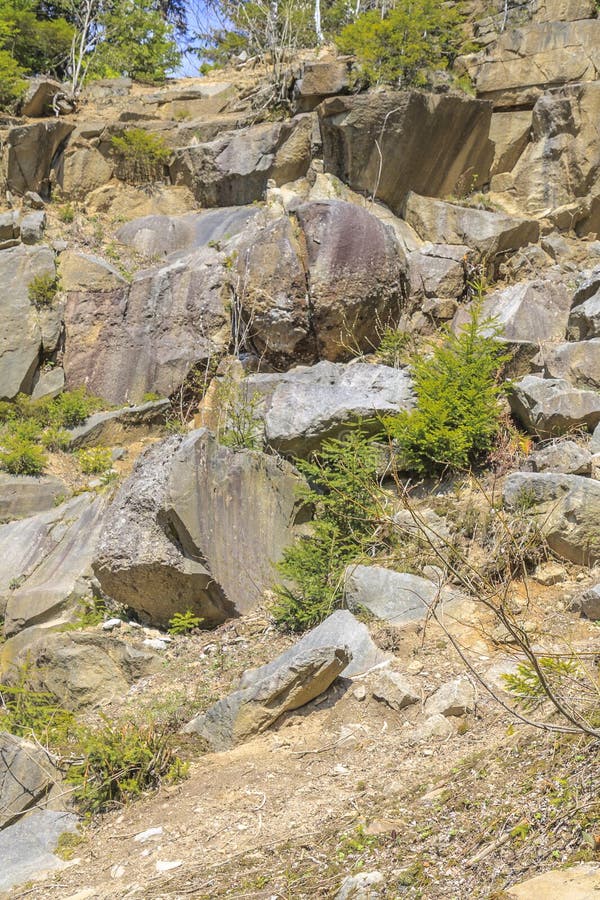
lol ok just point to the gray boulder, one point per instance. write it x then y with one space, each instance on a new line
390 143
567 508
236 166
364 886
125 341
438 270
162 235
307 405
577 362
589 603
253 709
395 597
27 847
340 630
197 525
33 226
320 79
29 152
24 495
40 96
394 689
25 332
27 777
120 426
531 312
552 406
46 565
565 457
455 698
584 321
48 383
490 233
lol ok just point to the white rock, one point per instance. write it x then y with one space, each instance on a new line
155 644
110 624
164 865
144 836
455 698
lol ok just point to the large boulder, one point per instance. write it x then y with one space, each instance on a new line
126 341
47 565
560 165
120 426
439 271
395 597
552 406
44 97
80 170
27 847
530 59
565 457
235 167
320 79
390 143
28 153
531 312
577 362
566 507
24 495
339 630
323 285
157 236
27 777
584 321
197 525
490 233
305 406
253 709
26 332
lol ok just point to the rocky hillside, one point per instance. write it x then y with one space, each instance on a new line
198 294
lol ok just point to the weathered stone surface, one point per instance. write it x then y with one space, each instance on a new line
253 709
120 426
235 168
390 143
46 563
48 383
579 882
436 727
364 886
39 96
162 235
24 495
565 457
27 777
22 326
396 597
584 321
438 270
537 56
567 508
85 670
595 441
552 406
27 847
320 79
510 132
589 603
33 226
197 525
394 689
490 233
532 312
29 152
87 272
577 362
145 337
81 170
455 698
340 629
561 163
305 406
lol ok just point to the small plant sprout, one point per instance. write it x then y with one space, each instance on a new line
184 623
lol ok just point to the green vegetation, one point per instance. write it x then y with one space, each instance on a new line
143 155
183 623
43 289
458 414
66 214
530 687
342 486
94 460
400 47
28 427
393 349
239 425
12 81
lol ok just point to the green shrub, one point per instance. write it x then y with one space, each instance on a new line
392 350
239 426
344 490
458 414
43 290
55 438
12 81
143 155
20 453
72 408
95 460
28 713
414 37
183 623
66 214
119 762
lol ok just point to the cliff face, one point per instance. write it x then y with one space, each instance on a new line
187 259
